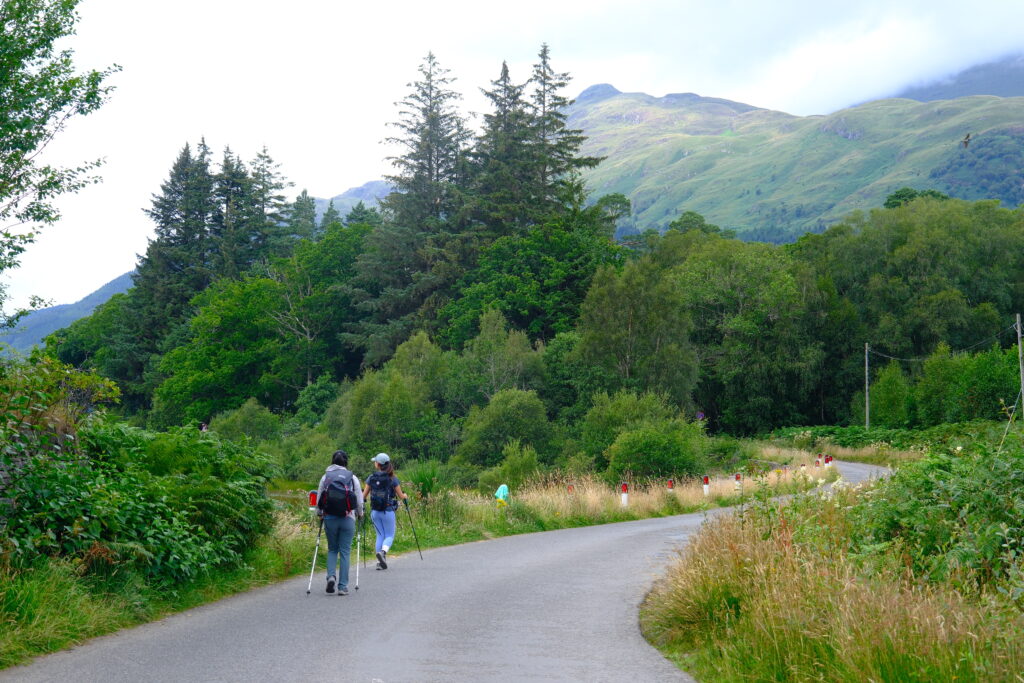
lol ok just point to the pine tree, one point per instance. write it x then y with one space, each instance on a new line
396 274
331 215
301 222
360 214
505 190
233 219
555 145
267 187
433 135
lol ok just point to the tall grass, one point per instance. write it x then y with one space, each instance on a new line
750 600
54 604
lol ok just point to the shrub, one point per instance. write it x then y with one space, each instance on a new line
248 420
512 414
314 400
657 449
611 415
518 465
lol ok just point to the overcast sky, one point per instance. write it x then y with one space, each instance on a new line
316 81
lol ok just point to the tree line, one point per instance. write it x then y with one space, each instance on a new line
489 269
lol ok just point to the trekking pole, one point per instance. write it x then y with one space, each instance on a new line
359 549
313 568
413 528
364 536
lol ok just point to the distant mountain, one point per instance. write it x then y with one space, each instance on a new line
773 176
369 194
36 325
1002 78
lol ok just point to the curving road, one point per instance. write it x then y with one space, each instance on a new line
553 606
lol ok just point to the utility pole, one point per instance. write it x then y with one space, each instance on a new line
1020 360
867 386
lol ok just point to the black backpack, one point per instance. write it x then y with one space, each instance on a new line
339 496
381 491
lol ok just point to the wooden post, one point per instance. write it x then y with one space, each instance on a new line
867 388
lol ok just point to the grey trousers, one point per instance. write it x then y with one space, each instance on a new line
339 531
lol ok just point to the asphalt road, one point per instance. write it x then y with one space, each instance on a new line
554 606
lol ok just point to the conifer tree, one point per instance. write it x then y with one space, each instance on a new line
396 276
360 214
432 137
301 223
331 215
505 185
233 219
555 145
267 186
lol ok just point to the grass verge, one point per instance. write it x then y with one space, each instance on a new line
774 593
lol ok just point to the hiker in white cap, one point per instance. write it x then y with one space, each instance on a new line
383 489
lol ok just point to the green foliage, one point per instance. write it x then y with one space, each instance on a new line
905 195
228 357
386 411
302 455
518 465
891 398
249 420
953 516
314 400
189 503
635 326
537 280
511 414
658 449
610 416
41 93
496 359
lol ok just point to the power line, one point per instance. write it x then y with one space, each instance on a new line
994 337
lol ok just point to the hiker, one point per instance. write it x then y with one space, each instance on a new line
383 490
340 502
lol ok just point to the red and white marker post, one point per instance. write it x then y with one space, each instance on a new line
312 500
671 484
739 482
625 494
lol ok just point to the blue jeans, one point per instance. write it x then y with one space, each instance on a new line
339 531
384 523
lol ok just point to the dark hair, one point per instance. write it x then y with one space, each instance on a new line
340 457
387 468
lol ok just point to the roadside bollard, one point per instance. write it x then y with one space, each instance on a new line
739 482
707 485
671 484
625 494
571 488
312 500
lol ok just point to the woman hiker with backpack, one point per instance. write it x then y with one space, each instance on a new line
383 489
340 501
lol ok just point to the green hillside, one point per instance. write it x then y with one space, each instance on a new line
33 327
772 175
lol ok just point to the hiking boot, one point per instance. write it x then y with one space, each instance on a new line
382 561
342 591
379 567
330 584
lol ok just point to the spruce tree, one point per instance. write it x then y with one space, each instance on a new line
398 273
331 215
301 222
506 188
432 138
361 215
555 145
267 186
